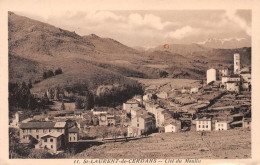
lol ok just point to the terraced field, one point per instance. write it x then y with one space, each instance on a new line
215 145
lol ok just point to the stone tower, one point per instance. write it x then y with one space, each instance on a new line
236 63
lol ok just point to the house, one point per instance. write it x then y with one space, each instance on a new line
194 90
233 86
235 78
141 124
172 125
111 121
51 141
130 104
107 120
160 117
204 124
151 107
39 129
138 111
245 76
246 122
162 95
99 110
222 125
73 135
147 97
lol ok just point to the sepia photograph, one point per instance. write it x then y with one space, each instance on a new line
129 85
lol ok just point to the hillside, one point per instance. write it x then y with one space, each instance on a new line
35 47
181 145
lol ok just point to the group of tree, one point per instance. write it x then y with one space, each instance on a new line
20 96
50 73
116 95
163 74
85 102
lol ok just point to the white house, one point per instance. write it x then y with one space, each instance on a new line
221 125
211 75
162 95
172 127
204 124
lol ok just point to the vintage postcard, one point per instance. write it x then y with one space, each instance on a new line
118 84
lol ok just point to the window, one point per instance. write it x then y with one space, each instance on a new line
49 130
70 138
74 138
199 126
23 131
51 140
138 119
203 126
137 125
206 126
51 146
37 136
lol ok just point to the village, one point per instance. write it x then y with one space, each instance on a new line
221 103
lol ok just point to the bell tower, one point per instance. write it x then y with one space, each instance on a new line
236 63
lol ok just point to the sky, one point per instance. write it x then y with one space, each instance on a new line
152 28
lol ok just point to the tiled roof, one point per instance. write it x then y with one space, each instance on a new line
38 125
53 134
59 124
73 130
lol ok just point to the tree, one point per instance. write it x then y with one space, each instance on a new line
30 84
163 74
62 105
58 71
50 73
103 132
44 75
79 103
115 132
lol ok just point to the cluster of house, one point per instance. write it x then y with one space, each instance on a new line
192 106
56 129
235 81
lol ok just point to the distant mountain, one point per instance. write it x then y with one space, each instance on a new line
227 43
183 49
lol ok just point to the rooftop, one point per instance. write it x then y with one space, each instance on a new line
38 125
53 134
73 130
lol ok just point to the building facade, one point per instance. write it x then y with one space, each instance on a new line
204 124
211 75
37 130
